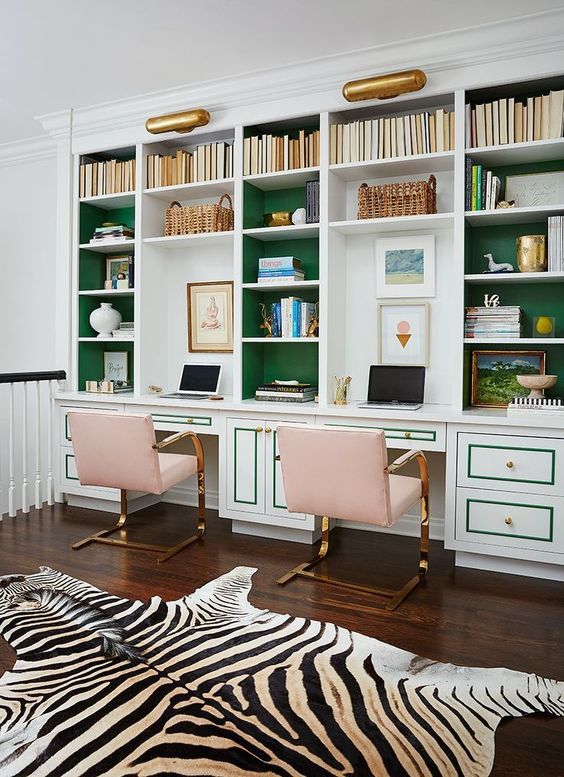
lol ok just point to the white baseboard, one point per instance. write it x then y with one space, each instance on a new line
188 495
510 566
407 526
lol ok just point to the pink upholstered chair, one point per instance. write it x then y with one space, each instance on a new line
344 473
119 450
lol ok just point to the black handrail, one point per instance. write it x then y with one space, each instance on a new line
25 377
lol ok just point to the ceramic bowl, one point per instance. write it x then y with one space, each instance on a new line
537 383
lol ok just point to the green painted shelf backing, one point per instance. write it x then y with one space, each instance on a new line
91 360
500 240
306 249
87 304
257 203
92 217
278 361
252 298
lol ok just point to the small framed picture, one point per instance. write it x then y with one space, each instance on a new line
405 266
210 317
116 366
403 333
531 189
494 381
119 273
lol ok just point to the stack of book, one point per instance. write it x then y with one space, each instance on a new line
110 177
556 243
279 269
503 322
273 154
542 404
291 317
509 120
207 162
290 391
115 233
312 202
125 331
482 187
416 133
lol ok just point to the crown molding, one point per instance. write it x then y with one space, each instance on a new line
485 44
27 150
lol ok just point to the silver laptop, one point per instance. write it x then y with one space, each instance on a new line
197 381
391 388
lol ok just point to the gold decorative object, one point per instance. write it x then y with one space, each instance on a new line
183 121
384 87
342 390
531 253
502 204
313 326
266 321
280 218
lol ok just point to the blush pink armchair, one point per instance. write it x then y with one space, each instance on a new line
344 473
119 450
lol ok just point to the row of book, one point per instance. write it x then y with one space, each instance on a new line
115 233
207 162
274 153
534 404
279 269
556 243
286 391
291 317
503 322
510 120
483 188
109 177
385 138
312 202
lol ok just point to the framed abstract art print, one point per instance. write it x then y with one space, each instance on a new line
403 333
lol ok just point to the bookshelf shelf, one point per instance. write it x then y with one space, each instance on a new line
519 153
105 339
182 241
188 191
281 286
283 179
407 165
515 277
271 340
394 224
516 341
106 292
512 215
294 232
110 247
111 201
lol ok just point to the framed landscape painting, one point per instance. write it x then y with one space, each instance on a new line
210 317
405 266
494 381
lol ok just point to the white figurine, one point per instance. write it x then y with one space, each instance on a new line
493 266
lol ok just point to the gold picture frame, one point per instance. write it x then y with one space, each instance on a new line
210 316
495 395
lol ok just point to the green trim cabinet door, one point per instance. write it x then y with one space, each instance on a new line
245 464
275 499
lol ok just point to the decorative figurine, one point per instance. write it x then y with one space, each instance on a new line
342 390
299 216
502 204
494 266
313 327
491 302
266 321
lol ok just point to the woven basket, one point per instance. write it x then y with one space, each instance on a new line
194 219
410 198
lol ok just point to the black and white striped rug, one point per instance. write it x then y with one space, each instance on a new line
210 686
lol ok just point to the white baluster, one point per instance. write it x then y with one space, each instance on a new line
38 499
25 495
50 482
12 480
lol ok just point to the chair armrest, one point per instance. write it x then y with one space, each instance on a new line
404 459
174 438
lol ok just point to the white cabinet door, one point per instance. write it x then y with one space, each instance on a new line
275 501
245 464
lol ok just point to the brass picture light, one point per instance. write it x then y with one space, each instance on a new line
183 121
384 87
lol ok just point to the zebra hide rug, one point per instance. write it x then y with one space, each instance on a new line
211 686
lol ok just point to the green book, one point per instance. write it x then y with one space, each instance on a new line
479 193
474 193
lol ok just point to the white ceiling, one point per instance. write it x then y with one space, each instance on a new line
56 54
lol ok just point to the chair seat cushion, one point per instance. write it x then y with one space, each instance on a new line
176 467
404 493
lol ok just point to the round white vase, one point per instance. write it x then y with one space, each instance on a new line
105 319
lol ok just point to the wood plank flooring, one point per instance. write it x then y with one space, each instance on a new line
459 616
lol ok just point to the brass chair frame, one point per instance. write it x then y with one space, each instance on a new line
168 552
396 597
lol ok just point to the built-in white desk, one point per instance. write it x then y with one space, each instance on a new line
500 477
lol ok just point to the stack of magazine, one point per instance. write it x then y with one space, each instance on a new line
503 322
286 391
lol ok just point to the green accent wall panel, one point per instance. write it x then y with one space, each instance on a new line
535 299
500 240
91 360
252 298
92 217
264 362
306 249
257 203
87 304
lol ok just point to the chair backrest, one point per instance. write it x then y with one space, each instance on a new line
340 473
115 450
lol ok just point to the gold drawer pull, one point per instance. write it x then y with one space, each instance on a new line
509 465
407 434
258 429
268 430
189 420
509 520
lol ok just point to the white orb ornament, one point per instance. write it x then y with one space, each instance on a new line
299 216
105 319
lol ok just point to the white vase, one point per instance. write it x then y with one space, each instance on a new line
105 319
299 216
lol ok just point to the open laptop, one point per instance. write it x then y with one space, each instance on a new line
197 381
395 387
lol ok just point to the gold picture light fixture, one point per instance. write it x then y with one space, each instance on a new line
384 87
183 121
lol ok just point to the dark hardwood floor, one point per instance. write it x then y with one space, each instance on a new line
459 616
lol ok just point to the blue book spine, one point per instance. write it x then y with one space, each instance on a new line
275 311
276 273
295 318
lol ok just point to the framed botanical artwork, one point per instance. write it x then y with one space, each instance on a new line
116 366
119 272
210 317
405 266
494 381
403 333
531 189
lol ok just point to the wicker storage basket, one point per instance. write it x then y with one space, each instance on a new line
194 219
410 198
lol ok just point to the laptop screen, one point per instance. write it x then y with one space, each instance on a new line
396 384
200 377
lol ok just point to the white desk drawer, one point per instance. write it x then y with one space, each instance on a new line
70 482
530 522
399 434
501 462
172 420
